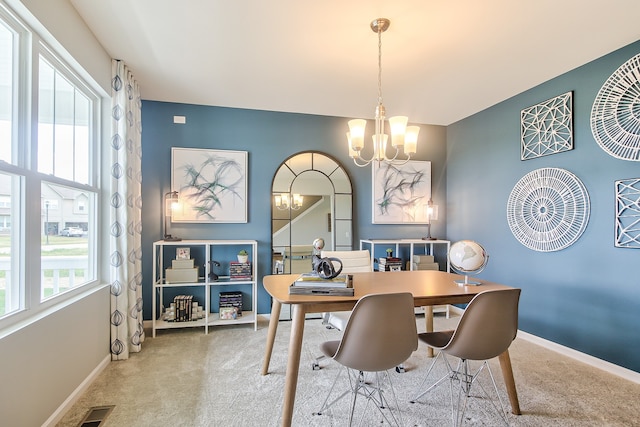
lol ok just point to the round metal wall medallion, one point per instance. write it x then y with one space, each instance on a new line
548 209
615 115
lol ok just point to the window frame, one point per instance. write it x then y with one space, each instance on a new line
26 227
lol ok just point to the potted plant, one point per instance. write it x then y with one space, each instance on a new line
243 256
389 252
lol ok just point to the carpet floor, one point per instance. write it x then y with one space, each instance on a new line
185 378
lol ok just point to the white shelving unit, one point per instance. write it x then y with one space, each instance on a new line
204 251
427 248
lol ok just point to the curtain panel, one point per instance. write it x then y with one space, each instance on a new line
125 216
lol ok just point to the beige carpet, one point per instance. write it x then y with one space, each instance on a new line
186 378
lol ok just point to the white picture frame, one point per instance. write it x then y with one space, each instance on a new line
183 253
211 185
401 192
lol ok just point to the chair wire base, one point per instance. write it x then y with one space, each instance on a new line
370 390
462 379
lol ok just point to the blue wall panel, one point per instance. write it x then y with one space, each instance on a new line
269 138
586 296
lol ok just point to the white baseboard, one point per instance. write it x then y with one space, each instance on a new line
603 365
77 393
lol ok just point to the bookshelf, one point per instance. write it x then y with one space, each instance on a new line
408 250
195 278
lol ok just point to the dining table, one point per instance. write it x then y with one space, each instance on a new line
428 287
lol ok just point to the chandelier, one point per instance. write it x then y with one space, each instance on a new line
403 137
282 201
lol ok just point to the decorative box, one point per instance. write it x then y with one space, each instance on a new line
181 275
181 263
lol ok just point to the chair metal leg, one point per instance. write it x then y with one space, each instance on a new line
372 391
465 380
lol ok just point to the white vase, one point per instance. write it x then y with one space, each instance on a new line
243 258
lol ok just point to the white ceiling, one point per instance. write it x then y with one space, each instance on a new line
442 60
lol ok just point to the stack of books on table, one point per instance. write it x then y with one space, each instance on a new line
424 262
389 264
312 284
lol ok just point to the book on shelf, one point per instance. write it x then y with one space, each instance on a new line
231 299
240 270
314 280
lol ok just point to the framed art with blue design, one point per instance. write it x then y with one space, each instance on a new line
211 185
401 192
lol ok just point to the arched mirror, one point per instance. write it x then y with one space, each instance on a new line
311 198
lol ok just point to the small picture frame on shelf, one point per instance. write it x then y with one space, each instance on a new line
183 253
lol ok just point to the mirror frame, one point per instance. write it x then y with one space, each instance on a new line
341 209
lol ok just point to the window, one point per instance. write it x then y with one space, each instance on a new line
51 164
7 57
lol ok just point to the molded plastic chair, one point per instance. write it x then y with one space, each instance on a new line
352 262
380 334
486 329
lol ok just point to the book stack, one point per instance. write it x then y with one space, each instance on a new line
239 270
230 305
424 262
181 271
183 307
312 284
389 264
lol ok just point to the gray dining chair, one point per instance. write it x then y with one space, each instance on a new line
486 329
352 262
380 334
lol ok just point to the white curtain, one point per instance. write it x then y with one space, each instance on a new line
125 204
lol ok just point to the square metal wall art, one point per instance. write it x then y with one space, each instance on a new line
628 213
547 128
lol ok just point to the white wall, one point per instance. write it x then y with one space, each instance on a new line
42 364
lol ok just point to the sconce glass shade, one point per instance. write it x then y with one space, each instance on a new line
171 203
432 212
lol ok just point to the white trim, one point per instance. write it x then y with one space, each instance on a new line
582 357
59 413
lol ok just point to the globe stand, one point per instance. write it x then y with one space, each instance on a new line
466 282
461 253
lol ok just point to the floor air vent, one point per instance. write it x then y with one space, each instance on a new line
96 416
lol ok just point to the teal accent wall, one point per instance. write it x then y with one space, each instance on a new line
269 138
587 296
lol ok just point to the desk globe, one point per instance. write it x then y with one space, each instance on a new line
467 257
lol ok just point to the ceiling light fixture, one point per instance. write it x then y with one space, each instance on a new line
402 136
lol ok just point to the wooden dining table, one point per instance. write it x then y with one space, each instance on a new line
428 288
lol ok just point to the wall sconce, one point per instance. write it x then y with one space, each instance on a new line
282 201
431 212
171 204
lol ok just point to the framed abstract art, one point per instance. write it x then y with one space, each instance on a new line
401 192
212 185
